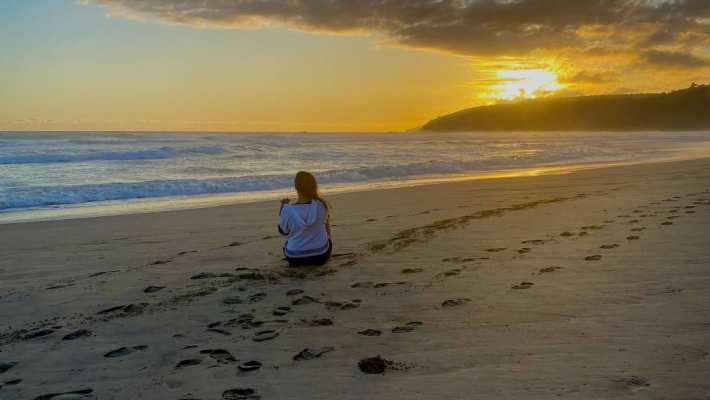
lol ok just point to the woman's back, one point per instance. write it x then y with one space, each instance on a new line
305 225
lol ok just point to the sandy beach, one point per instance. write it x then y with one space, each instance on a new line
587 285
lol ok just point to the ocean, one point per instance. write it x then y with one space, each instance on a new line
78 174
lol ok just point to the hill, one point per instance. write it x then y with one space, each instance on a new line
686 109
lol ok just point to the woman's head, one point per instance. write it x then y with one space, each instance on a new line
306 185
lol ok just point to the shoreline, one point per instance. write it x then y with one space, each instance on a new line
200 202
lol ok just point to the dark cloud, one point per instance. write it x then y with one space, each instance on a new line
467 27
675 59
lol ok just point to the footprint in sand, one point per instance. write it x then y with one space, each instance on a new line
219 331
633 382
6 366
370 332
412 270
524 250
124 351
233 300
240 394
566 234
536 242
257 297
37 334
281 311
303 301
336 305
592 227
667 223
309 354
409 327
633 237
386 284
638 229
153 289
318 322
609 246
249 366
220 355
123 310
595 257
78 334
294 292
549 269
265 335
496 249
367 284
402 329
522 285
74 395
188 363
455 302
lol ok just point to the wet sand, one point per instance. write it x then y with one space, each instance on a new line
586 285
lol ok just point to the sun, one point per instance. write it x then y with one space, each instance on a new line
524 83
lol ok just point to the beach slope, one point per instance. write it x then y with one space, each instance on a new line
585 285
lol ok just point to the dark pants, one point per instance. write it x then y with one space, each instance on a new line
312 260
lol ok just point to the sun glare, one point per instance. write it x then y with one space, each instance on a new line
525 83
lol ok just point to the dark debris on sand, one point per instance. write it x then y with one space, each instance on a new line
378 365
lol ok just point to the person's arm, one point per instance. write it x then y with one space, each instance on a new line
283 229
327 227
284 201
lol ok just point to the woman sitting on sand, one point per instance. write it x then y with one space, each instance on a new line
307 224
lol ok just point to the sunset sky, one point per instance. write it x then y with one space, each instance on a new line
328 65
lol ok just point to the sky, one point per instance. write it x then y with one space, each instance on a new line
328 65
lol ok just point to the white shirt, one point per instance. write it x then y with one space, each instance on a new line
305 226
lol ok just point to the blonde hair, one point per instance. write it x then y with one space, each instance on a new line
307 186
